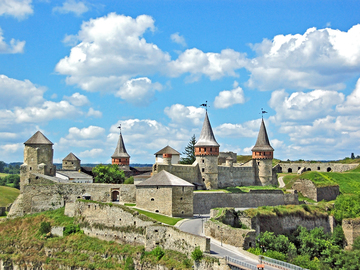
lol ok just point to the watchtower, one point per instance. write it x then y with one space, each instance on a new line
38 158
262 155
207 153
120 156
71 163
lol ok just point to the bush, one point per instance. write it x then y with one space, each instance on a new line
197 254
130 180
187 263
129 264
45 227
158 252
70 229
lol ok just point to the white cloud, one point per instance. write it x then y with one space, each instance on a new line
91 132
72 6
11 148
77 99
94 113
180 114
15 46
213 65
226 98
300 106
352 103
19 9
112 50
323 58
139 92
247 129
96 152
15 93
178 39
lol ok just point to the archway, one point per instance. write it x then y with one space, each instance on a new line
328 169
280 169
115 196
289 170
308 169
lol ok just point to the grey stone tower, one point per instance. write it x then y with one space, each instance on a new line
71 163
262 154
120 156
38 158
207 153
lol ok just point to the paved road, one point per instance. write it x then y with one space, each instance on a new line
195 226
281 182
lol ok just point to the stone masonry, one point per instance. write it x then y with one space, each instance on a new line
308 189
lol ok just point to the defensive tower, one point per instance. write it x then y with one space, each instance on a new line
262 154
120 156
38 158
207 153
71 163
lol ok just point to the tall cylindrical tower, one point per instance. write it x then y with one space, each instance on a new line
262 154
207 153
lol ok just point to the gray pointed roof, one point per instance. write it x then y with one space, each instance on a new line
165 178
120 151
71 157
262 142
207 137
167 150
38 138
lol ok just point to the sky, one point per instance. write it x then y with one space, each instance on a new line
76 70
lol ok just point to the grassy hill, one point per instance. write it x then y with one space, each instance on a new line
3 174
8 195
349 182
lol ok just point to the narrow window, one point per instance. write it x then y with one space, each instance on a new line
181 199
204 149
152 199
210 149
203 161
203 170
134 222
157 211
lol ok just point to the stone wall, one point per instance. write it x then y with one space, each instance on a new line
233 236
232 176
155 199
204 201
2 211
224 155
125 225
308 189
41 197
182 201
317 166
57 231
351 228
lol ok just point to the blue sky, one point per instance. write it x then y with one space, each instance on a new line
77 69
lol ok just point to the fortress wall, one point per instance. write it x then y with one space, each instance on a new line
308 189
171 238
232 236
38 198
182 201
318 166
204 201
190 173
351 228
236 176
155 199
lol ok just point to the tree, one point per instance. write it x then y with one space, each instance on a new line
2 166
108 174
189 152
352 156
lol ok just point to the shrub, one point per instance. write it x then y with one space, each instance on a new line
158 252
45 227
129 264
70 229
187 263
197 254
130 180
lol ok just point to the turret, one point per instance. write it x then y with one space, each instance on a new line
207 153
71 163
262 154
120 156
38 158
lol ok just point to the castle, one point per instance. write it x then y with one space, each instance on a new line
210 172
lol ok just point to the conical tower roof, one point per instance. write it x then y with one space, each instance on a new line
262 142
38 138
71 157
120 151
207 137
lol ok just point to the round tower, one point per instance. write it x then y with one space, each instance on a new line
207 153
38 158
120 156
262 155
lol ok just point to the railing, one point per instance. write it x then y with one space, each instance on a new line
279 264
241 263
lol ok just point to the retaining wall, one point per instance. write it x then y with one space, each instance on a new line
351 228
317 166
308 189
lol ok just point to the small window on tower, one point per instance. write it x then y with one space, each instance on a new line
203 161
203 170
204 149
210 149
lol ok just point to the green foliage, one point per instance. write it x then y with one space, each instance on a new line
347 206
70 229
160 218
268 241
187 263
338 236
45 227
11 180
356 244
129 264
197 254
129 180
108 174
189 152
158 252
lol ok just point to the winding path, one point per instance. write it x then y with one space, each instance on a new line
281 182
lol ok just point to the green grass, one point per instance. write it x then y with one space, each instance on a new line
8 195
243 159
160 218
130 204
4 174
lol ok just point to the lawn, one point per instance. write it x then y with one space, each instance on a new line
8 195
160 218
130 204
3 174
